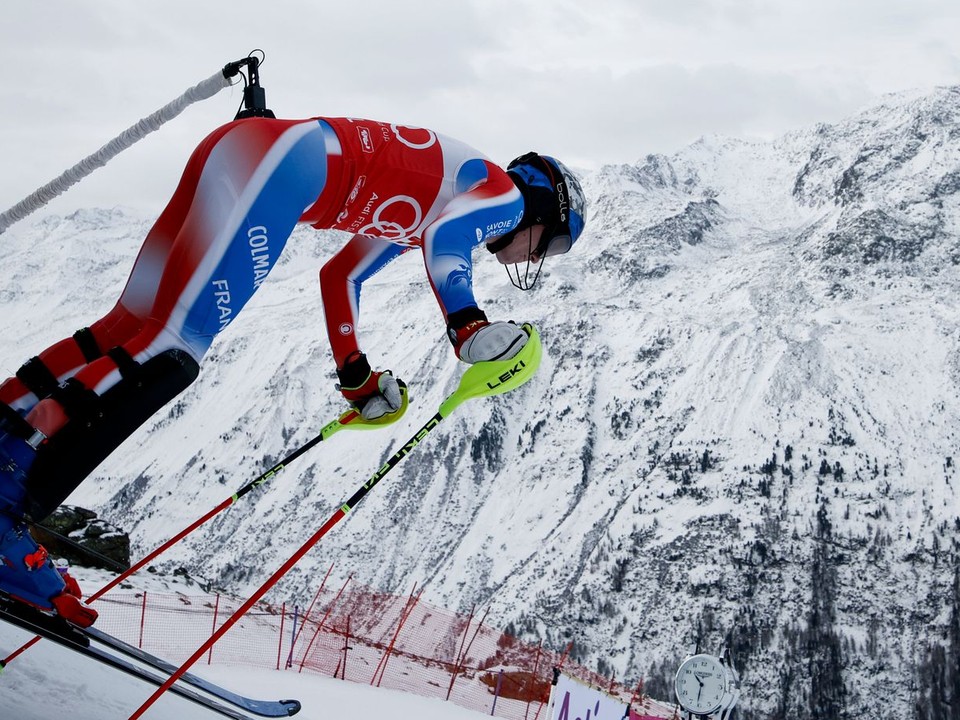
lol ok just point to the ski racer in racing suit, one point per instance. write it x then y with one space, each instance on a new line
245 188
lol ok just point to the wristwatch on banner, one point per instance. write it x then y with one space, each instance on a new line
707 686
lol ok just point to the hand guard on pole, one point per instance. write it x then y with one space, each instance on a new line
482 341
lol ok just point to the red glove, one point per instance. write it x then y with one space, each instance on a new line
371 392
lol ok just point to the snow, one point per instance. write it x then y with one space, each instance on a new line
49 681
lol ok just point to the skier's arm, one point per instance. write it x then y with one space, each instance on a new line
341 279
487 211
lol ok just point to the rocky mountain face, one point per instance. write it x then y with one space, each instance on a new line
78 536
745 427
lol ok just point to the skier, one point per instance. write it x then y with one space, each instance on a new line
243 190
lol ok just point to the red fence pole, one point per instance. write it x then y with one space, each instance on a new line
536 670
306 615
320 626
456 664
637 693
143 618
216 610
404 614
466 652
283 615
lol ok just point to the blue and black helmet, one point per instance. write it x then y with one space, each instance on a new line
552 197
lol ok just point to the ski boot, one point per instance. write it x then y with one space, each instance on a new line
27 573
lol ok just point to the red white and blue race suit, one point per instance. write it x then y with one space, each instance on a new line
243 191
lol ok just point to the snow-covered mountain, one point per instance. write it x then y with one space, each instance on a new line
745 425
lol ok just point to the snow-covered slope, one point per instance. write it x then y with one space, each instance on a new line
50 681
745 425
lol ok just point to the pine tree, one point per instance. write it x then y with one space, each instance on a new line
824 652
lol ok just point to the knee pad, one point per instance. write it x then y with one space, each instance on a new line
99 424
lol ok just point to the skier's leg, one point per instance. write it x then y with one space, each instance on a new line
233 212
95 424
242 211
26 571
66 358
39 377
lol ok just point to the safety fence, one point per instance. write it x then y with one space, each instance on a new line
358 634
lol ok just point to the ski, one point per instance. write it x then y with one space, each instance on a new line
125 658
263 708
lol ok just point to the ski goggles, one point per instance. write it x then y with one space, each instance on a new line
548 246
556 245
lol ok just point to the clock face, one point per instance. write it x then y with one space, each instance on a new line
701 683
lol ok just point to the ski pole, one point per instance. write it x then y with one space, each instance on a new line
484 379
349 419
26 646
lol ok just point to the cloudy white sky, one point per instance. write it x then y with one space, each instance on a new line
590 81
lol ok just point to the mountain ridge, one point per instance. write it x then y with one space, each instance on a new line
745 424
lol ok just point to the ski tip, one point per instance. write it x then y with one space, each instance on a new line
293 706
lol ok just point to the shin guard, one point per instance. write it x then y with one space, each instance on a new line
98 425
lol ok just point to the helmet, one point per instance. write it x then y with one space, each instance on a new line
553 198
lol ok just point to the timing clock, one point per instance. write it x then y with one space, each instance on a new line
706 685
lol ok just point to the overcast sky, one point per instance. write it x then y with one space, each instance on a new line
590 81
